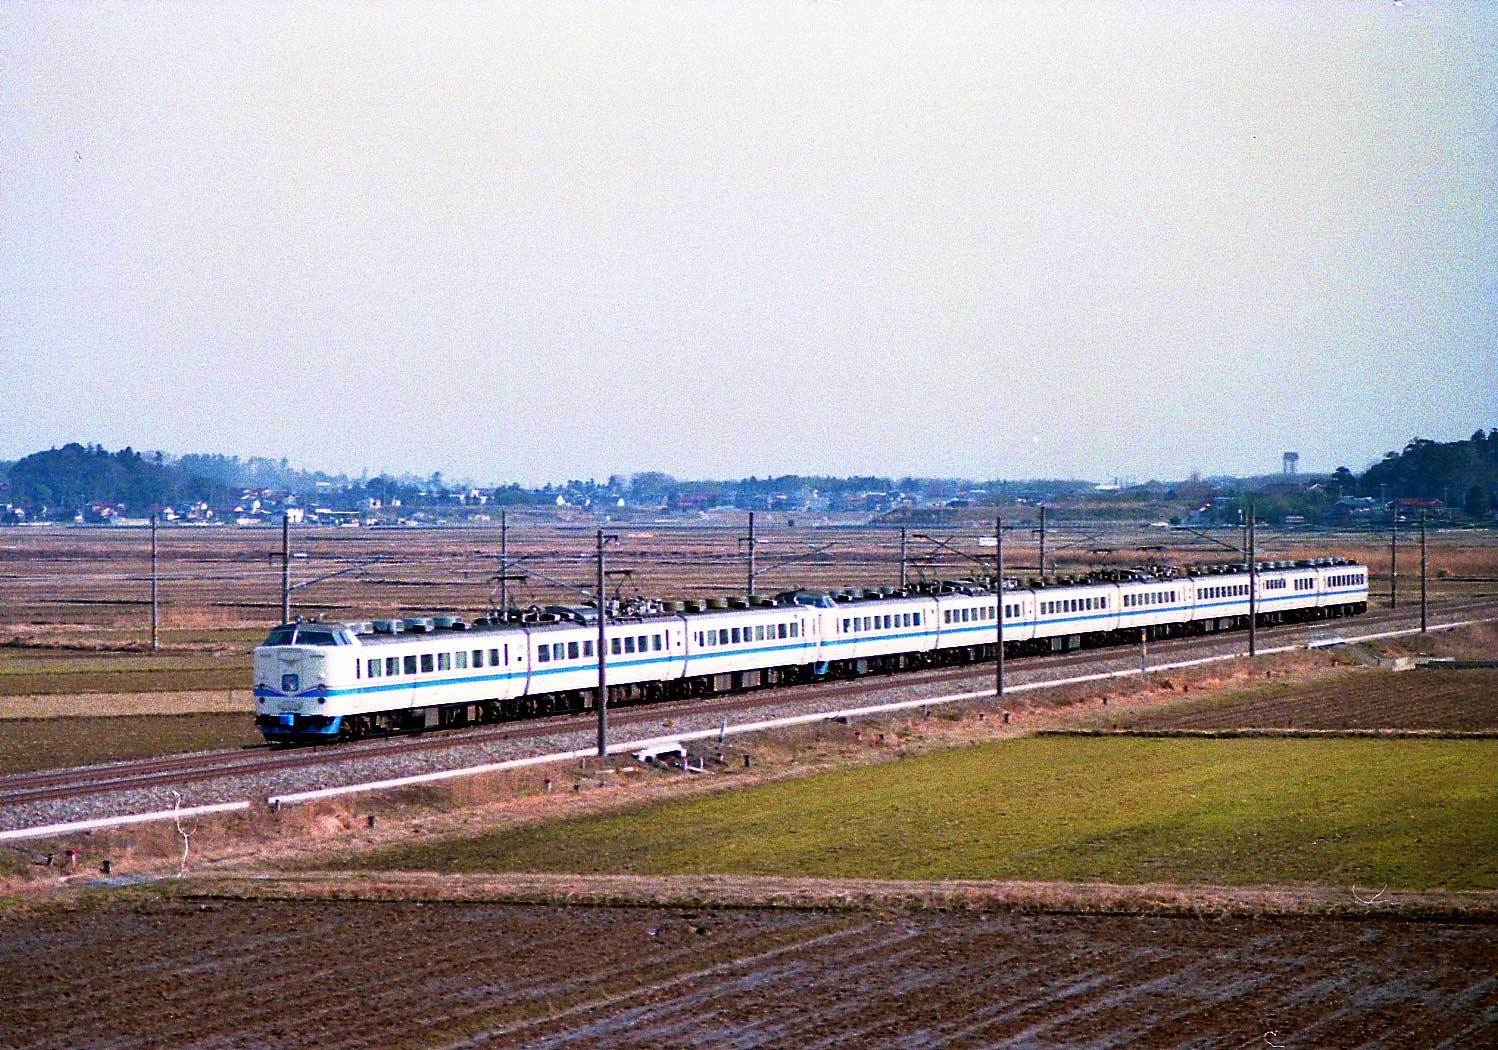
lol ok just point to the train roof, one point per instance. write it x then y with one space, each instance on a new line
647 611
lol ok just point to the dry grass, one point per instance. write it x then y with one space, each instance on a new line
764 891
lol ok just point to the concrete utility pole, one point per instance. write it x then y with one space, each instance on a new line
504 565
1394 557
998 664
902 559
155 620
1253 586
1423 596
750 588
285 567
1042 539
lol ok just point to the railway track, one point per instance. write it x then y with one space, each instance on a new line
22 788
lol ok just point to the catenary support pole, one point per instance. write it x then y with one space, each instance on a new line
285 567
1042 539
750 588
1394 556
603 660
504 565
998 663
1253 585
902 559
155 615
1424 597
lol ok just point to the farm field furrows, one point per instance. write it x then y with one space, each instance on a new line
1434 699
385 974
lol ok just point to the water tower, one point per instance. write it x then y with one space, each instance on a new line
1291 459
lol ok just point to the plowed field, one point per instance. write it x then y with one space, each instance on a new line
344 974
1421 699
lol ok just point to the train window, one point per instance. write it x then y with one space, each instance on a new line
759 632
574 650
915 619
478 658
655 642
409 666
782 630
543 654
615 647
460 661
587 648
374 668
392 665
494 656
629 645
444 661
795 630
1103 602
426 661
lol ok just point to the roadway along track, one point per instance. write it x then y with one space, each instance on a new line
21 788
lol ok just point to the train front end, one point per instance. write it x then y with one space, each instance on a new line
297 675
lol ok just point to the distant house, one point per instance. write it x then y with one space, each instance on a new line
1351 510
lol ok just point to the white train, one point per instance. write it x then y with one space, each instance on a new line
319 681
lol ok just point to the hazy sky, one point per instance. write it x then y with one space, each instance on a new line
536 241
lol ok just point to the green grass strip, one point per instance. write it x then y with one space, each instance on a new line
1412 814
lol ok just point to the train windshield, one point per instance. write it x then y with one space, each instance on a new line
304 636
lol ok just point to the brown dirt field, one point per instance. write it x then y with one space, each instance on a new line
216 973
87 590
1425 699
50 743
107 705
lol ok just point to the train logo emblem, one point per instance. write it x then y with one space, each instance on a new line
290 683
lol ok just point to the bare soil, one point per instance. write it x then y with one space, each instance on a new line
222 973
1459 700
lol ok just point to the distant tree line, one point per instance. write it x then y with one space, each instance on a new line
1462 474
76 475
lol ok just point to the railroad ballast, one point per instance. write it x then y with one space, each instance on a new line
317 682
